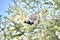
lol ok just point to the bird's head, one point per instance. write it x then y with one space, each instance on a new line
28 22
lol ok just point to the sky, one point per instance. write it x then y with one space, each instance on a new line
4 4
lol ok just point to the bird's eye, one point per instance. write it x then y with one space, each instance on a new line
31 23
26 21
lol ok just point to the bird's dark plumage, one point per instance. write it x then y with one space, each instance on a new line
28 22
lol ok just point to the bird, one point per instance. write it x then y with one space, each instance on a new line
31 19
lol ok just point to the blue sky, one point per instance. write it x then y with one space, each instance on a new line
4 4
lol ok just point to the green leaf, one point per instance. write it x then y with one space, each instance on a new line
48 3
23 0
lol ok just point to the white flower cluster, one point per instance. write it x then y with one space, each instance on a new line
58 34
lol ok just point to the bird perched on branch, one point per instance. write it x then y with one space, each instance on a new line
34 16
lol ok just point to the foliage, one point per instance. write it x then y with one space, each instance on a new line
57 3
46 29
